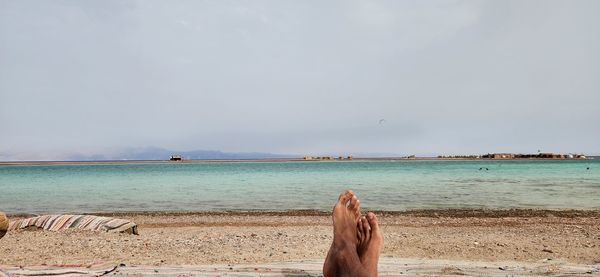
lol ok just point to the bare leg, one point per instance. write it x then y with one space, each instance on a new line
342 258
370 243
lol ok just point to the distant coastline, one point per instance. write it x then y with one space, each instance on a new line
194 161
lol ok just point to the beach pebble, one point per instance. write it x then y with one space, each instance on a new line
3 224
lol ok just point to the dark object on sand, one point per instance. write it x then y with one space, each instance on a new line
3 224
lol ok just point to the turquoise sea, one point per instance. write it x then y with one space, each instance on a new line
381 185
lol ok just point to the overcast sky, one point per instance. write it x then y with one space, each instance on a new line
299 76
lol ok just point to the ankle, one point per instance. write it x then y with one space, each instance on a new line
341 245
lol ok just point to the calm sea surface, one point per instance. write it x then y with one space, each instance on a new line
381 185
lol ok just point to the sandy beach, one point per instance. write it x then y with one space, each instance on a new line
224 138
261 237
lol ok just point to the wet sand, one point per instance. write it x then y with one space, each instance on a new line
267 237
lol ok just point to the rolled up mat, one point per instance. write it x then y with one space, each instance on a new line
3 224
59 222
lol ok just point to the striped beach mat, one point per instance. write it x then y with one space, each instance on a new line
84 222
100 269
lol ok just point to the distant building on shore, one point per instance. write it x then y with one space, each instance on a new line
326 158
533 156
175 158
499 156
462 157
512 156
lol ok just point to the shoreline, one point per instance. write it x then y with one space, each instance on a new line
426 213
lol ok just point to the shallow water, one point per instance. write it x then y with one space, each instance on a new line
381 185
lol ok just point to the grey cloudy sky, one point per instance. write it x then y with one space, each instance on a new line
299 76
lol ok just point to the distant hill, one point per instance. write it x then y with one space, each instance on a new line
154 153
141 153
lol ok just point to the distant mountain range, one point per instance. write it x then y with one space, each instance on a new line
154 153
157 153
141 153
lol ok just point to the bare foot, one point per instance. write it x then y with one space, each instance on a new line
3 224
354 205
364 236
342 258
370 243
